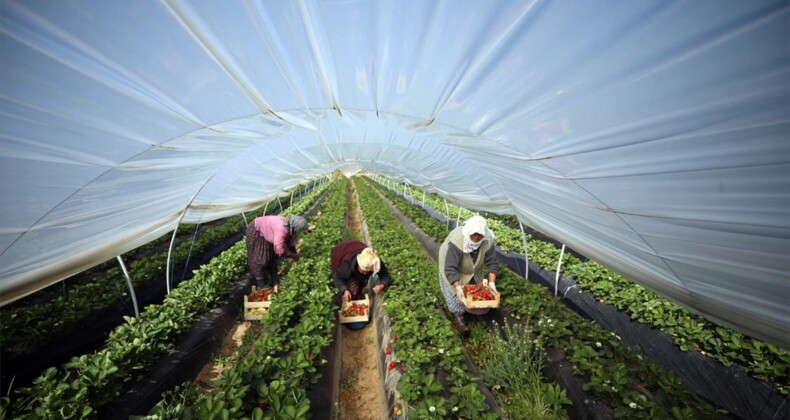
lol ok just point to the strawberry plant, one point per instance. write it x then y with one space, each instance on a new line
90 381
276 365
762 360
35 325
614 372
426 344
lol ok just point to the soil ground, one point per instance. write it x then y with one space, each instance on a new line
214 368
360 387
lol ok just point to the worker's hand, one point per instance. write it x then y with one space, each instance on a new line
347 295
459 290
378 288
492 286
296 256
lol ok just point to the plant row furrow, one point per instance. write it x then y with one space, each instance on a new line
274 368
761 360
87 382
426 346
632 386
23 328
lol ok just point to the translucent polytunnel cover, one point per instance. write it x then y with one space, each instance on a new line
651 136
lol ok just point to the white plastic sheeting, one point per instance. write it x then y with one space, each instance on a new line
651 136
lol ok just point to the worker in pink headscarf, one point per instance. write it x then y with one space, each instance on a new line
268 239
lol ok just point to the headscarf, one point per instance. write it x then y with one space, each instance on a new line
298 223
475 224
368 260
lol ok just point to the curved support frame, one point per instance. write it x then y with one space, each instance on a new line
131 288
557 275
526 252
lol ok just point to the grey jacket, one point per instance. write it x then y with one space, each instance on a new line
455 265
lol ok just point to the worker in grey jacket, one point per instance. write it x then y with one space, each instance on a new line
467 255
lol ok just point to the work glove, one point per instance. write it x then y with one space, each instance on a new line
459 290
492 286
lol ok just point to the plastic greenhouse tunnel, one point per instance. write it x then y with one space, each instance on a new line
631 161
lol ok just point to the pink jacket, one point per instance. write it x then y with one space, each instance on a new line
274 229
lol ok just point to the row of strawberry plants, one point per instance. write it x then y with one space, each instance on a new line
276 364
761 360
632 386
88 382
513 376
424 343
27 327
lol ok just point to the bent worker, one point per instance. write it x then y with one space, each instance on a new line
356 266
268 239
466 256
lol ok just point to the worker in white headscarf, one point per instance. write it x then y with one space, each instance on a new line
467 255
356 267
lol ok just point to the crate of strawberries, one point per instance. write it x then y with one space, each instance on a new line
478 296
257 303
355 311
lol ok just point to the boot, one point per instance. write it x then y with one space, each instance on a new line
460 325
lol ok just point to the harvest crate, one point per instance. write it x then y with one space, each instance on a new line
358 318
254 311
481 304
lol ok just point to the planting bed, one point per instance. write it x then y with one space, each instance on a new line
727 387
88 384
39 333
530 357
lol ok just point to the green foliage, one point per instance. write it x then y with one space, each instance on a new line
425 342
88 382
273 368
614 372
33 325
511 364
761 360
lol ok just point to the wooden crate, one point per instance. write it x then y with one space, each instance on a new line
361 318
261 306
481 304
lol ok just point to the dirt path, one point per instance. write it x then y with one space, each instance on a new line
360 388
223 358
